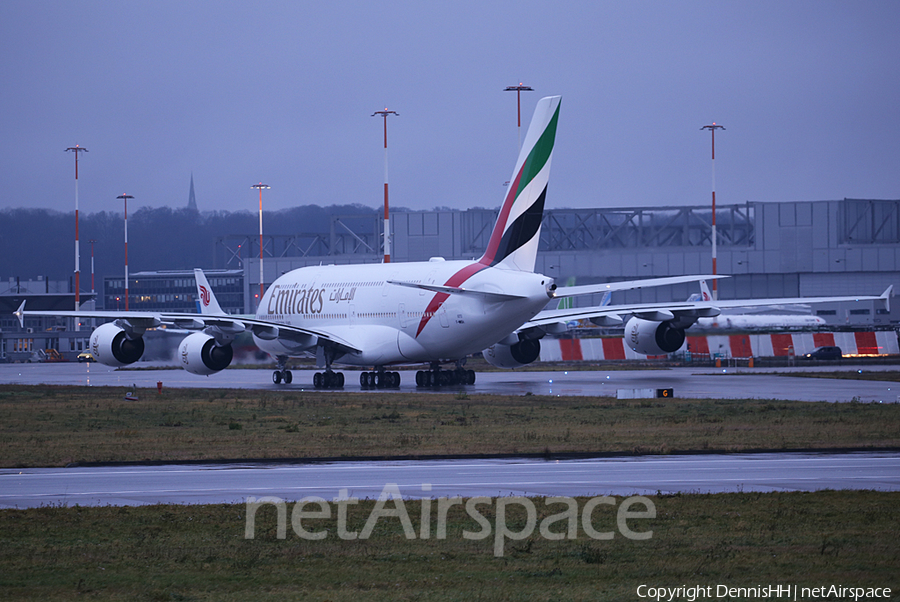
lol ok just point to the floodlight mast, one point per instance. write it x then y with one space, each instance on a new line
77 149
387 215
712 128
92 241
125 198
518 90
260 187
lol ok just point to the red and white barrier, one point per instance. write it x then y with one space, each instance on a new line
737 345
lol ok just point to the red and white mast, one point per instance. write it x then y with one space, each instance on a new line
260 187
77 149
387 215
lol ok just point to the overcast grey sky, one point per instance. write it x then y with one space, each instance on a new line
283 92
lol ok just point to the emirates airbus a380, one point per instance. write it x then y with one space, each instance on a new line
435 312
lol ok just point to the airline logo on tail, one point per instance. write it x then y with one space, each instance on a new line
519 222
204 295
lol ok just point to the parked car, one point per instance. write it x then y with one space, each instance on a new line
825 353
86 357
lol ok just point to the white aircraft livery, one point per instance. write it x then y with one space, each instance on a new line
435 312
744 322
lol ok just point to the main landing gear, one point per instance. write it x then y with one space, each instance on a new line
328 380
435 377
380 379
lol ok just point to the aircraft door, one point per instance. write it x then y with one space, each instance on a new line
401 313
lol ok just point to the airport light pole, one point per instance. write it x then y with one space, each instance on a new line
260 187
387 218
712 128
125 198
94 303
77 149
92 241
518 90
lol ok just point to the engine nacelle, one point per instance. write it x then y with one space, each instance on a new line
653 338
112 347
513 356
200 355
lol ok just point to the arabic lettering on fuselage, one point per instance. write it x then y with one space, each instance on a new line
299 299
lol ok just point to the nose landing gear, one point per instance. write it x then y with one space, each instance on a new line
281 372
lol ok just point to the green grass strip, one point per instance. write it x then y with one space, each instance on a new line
200 552
56 426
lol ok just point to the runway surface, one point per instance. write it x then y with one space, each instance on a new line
137 485
700 383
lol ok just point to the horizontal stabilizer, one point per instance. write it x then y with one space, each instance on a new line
455 290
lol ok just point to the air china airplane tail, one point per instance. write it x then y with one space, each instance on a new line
434 312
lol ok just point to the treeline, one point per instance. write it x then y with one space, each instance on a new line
41 242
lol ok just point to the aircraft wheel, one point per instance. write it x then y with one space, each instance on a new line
317 380
288 377
395 380
339 380
276 377
470 377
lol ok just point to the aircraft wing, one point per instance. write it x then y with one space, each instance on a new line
225 323
626 285
661 312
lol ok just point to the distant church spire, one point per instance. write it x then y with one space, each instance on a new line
192 200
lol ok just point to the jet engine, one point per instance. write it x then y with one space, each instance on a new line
513 356
200 355
653 338
112 347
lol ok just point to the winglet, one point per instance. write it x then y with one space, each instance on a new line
886 296
206 297
20 314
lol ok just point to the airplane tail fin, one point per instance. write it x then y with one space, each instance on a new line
704 291
514 240
205 296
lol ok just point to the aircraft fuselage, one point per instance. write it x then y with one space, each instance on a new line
394 323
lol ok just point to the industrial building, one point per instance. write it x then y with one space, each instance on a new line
771 249
173 290
783 249
39 334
